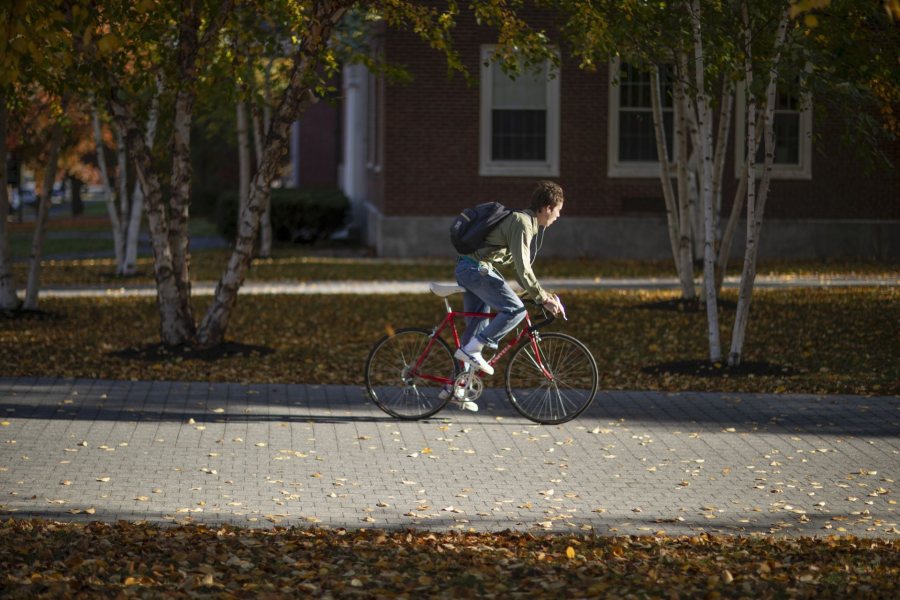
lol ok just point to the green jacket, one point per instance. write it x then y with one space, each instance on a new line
510 242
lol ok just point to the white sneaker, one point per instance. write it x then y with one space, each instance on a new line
465 404
476 359
447 393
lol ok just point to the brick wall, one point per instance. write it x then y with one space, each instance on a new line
431 151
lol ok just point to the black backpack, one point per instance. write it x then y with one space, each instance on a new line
472 225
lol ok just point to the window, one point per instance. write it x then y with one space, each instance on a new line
632 137
519 133
793 137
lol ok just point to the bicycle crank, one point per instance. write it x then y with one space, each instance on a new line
468 386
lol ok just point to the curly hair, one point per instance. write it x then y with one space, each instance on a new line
546 193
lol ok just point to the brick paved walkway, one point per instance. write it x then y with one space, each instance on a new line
636 462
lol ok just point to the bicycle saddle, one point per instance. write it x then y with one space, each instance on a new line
445 289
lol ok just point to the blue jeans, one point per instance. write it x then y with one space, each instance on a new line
486 288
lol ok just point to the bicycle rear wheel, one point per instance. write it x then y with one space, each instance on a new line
400 388
554 385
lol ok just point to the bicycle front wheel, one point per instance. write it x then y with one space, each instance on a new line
406 372
552 380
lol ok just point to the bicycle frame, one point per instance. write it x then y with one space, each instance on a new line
449 320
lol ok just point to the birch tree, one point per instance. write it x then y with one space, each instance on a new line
109 194
848 50
256 46
243 144
132 54
32 287
261 123
705 126
136 213
756 200
9 300
653 38
35 57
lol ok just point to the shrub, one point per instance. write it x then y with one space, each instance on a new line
298 215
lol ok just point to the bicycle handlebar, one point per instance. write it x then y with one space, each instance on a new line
548 318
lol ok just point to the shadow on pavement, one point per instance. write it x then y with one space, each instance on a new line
100 400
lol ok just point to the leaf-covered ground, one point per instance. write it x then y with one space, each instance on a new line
350 263
141 560
839 340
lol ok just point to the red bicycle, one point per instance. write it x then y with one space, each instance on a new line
550 378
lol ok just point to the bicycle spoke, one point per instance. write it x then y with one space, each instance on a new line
555 384
390 379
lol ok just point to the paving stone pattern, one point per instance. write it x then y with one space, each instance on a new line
635 463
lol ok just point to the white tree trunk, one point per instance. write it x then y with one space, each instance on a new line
174 329
727 101
298 96
266 234
33 286
676 236
685 241
180 203
137 196
706 172
124 205
693 205
168 229
737 206
134 230
755 203
265 229
111 209
8 298
243 142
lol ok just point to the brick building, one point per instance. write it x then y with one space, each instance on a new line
414 155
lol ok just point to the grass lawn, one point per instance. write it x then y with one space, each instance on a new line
300 264
90 232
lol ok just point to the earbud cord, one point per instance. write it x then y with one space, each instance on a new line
540 242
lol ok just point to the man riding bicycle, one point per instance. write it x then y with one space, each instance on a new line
509 242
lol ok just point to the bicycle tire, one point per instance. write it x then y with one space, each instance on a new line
387 380
570 391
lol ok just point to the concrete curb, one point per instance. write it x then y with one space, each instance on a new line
206 288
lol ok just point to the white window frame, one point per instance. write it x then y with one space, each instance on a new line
801 170
517 168
616 168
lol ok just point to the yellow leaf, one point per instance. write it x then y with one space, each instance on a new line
811 21
108 43
570 552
